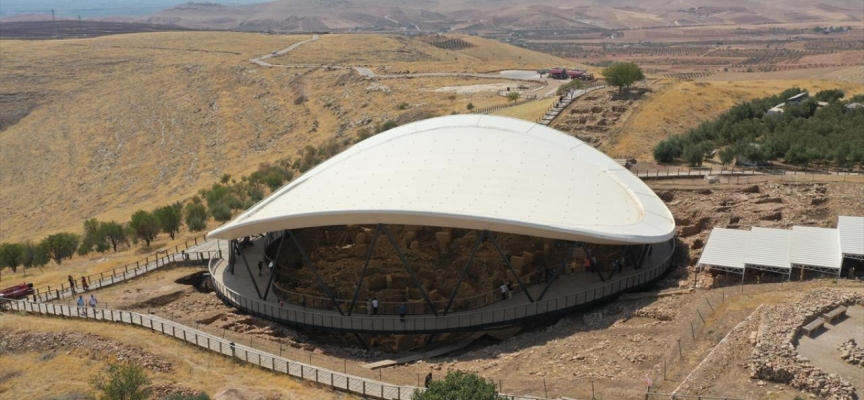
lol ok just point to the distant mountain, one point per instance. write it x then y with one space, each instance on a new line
479 16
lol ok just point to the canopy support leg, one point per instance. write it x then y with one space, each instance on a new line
464 271
510 266
251 276
404 260
559 270
315 271
365 266
275 265
591 260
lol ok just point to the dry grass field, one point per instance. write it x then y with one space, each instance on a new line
102 127
65 368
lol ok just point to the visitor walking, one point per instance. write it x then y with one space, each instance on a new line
368 306
509 289
503 291
81 304
93 303
84 284
374 306
402 311
72 283
428 380
587 264
260 267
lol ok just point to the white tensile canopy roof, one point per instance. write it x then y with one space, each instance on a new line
472 172
851 231
725 249
768 249
815 247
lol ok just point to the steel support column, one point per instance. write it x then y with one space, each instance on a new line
404 260
275 264
510 266
365 266
251 276
559 270
315 271
591 260
465 270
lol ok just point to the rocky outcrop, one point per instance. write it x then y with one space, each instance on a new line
851 353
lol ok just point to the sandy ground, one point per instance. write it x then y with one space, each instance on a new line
822 351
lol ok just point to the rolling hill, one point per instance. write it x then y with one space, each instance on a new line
102 127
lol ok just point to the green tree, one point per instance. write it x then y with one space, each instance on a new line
145 226
93 238
170 218
470 106
622 75
829 95
34 255
727 155
11 255
114 234
513 96
458 385
59 246
126 381
196 216
220 212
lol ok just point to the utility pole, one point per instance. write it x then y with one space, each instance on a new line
54 22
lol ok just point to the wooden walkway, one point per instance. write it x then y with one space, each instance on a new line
561 105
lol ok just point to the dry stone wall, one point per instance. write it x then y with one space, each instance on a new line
774 357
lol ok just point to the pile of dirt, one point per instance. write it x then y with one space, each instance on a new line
774 357
64 341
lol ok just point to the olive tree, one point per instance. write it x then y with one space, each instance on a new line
622 75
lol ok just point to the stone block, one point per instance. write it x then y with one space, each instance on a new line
360 238
443 237
529 257
415 245
389 281
360 251
375 283
517 262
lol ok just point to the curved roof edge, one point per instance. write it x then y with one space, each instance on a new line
656 224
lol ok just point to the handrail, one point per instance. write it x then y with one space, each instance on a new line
446 323
121 273
340 381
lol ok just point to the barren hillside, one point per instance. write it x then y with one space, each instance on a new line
102 127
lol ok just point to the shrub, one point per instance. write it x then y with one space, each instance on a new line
220 212
387 126
470 106
403 105
171 217
199 396
125 381
459 385
196 216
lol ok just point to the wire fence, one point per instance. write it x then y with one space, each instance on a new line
736 175
339 381
128 271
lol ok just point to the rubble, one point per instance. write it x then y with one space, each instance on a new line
774 357
65 341
851 353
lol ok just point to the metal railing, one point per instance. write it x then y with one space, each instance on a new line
349 383
463 321
124 272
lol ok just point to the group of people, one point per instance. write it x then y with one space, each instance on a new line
82 305
84 284
372 308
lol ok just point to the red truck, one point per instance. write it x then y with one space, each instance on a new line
16 292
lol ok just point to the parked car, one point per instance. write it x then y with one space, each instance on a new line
16 292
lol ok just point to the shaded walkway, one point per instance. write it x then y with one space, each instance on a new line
569 292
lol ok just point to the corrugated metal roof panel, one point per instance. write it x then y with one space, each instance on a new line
768 247
725 248
851 235
818 247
